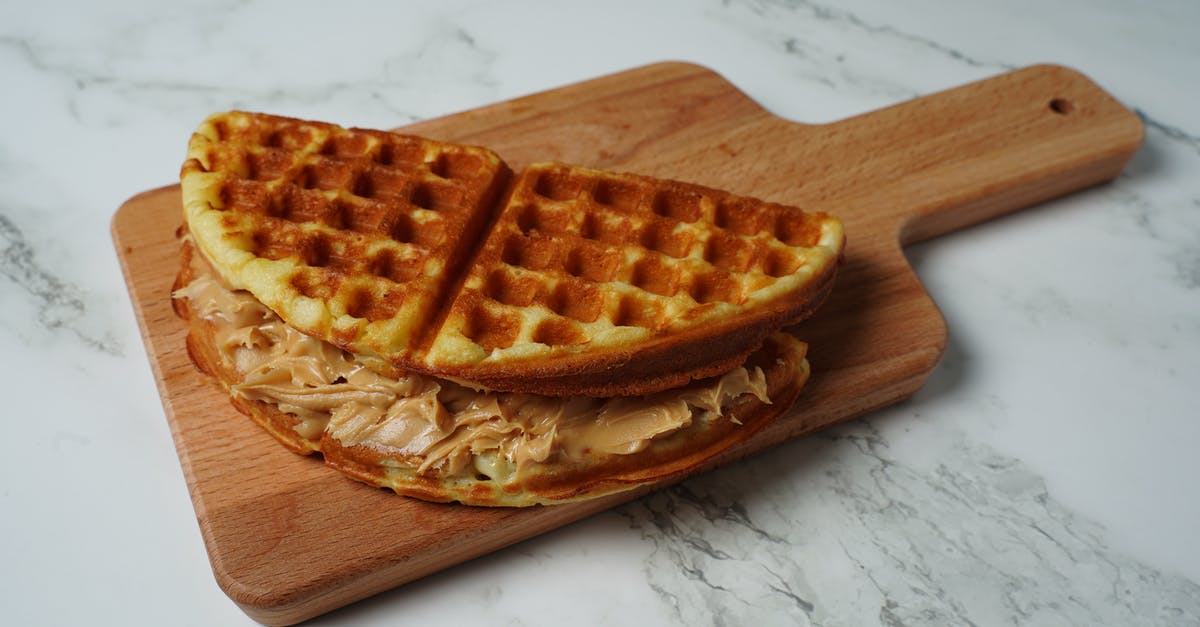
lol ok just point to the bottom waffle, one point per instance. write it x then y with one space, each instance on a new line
438 441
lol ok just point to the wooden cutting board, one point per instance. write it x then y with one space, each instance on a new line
290 539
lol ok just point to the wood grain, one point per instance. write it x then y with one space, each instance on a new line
290 539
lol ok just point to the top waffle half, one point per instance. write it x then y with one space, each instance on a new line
349 235
577 282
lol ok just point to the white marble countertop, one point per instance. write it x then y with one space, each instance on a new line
1046 474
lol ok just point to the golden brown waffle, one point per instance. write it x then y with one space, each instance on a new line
598 283
348 234
587 282
309 405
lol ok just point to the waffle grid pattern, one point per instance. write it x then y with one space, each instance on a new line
585 256
360 238
346 231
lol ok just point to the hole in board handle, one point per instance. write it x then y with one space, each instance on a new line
1061 106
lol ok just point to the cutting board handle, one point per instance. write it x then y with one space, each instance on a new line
954 158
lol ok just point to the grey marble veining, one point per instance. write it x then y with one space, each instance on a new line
58 305
777 22
121 69
861 535
1171 132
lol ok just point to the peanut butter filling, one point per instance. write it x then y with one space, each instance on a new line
437 425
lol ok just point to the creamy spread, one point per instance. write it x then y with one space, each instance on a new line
449 428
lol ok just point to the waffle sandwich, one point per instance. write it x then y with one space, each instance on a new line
435 324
